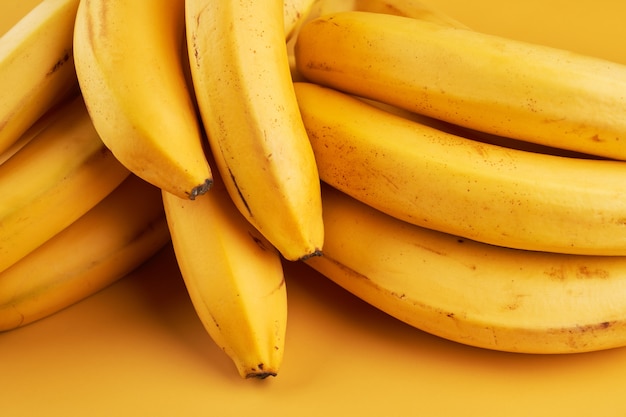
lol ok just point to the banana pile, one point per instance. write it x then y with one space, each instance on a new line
469 185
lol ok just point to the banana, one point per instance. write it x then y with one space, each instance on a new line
468 292
103 245
483 192
487 83
241 77
129 62
408 8
234 278
37 127
36 66
414 9
53 180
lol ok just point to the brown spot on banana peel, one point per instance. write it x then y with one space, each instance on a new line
574 341
259 242
67 55
560 273
243 200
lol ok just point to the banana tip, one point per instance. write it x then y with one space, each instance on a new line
201 189
316 252
259 375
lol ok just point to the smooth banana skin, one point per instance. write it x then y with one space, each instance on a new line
53 180
129 62
243 86
480 191
407 8
102 246
37 127
36 66
234 277
414 9
487 83
476 294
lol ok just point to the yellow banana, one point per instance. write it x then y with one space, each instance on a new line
37 127
483 192
483 82
36 66
415 9
53 180
408 8
103 245
241 77
234 278
129 64
469 292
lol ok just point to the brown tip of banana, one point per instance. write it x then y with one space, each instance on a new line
316 252
257 372
201 189
260 375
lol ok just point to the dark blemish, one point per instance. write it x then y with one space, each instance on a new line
316 252
259 374
66 57
245 203
259 242
201 189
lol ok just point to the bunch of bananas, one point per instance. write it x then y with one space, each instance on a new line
469 185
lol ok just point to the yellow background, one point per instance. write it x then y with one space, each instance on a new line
137 348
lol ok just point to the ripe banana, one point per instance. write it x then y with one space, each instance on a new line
53 180
234 278
36 66
103 245
129 64
414 9
37 127
487 83
469 292
444 182
241 77
408 8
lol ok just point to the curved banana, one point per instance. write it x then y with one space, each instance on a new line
469 292
444 182
36 66
53 180
129 65
487 83
241 77
103 245
234 278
